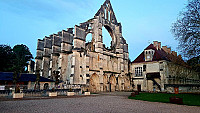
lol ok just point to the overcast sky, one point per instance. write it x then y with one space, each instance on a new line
143 21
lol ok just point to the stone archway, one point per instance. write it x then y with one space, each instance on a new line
94 83
113 83
119 83
46 86
127 85
105 83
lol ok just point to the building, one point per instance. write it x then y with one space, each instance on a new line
160 69
25 81
88 64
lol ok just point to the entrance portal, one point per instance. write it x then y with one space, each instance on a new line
94 83
139 88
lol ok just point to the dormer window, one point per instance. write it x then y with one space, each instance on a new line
149 54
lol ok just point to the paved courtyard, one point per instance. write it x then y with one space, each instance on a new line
103 103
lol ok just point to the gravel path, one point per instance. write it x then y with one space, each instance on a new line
104 103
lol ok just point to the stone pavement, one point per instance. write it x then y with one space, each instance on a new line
103 103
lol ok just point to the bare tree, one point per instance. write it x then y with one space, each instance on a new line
187 29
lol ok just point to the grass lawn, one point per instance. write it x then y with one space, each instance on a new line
188 99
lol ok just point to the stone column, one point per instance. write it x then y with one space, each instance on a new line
66 54
79 38
97 34
39 55
46 56
56 49
79 47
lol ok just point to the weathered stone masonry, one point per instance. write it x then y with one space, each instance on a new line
88 64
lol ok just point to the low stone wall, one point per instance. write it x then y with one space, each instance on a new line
18 95
183 89
70 93
87 93
53 94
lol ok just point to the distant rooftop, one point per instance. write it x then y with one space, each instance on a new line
163 53
25 77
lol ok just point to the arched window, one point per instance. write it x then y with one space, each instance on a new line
108 15
88 38
105 14
46 86
106 37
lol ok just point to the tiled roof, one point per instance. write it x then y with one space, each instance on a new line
159 54
25 77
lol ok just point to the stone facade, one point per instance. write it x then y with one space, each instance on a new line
160 69
91 64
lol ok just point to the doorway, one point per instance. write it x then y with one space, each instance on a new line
139 88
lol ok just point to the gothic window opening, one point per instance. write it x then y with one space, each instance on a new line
105 13
107 39
89 37
89 42
108 15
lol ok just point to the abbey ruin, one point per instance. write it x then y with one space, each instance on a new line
91 64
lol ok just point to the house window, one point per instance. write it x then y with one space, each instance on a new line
138 71
161 67
87 75
149 55
88 81
144 67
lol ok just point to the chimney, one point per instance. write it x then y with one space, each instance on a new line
159 45
169 50
155 44
174 53
179 56
164 48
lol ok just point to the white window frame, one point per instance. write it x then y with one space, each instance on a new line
138 71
